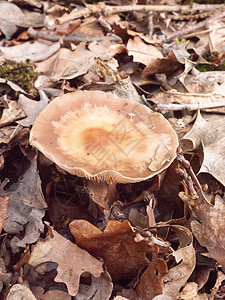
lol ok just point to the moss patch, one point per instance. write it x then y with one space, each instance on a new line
22 73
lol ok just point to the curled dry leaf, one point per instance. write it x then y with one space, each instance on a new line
190 292
12 113
151 281
185 259
142 52
72 261
4 203
35 51
209 228
100 288
19 291
122 256
26 208
212 136
57 294
32 108
68 64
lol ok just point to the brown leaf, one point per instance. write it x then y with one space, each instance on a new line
142 52
100 288
12 113
32 108
40 294
185 259
209 230
122 256
4 204
151 281
212 136
26 208
35 51
72 261
19 291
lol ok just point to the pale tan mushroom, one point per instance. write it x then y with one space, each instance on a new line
104 138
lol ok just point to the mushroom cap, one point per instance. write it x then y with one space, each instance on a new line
103 137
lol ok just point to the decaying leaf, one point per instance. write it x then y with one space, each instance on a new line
190 292
100 288
19 291
72 261
26 208
35 51
212 136
69 64
185 259
12 113
122 256
209 228
151 281
142 52
4 203
5 277
32 108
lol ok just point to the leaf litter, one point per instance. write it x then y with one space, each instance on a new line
162 238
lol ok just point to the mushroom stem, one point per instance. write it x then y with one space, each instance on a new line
112 193
102 193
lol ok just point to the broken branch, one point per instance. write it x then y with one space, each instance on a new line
102 8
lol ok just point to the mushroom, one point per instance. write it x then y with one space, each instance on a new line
104 138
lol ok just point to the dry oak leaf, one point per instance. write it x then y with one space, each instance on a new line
212 136
122 256
142 52
209 230
72 261
151 281
185 261
100 288
26 208
35 51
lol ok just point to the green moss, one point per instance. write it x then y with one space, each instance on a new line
22 73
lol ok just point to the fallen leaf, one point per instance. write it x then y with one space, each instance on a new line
212 136
35 51
12 113
68 64
185 260
209 227
26 208
100 288
5 278
72 261
40 294
142 52
32 108
4 204
19 291
151 281
190 292
122 256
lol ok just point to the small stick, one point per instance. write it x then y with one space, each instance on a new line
194 28
186 164
195 106
70 38
102 8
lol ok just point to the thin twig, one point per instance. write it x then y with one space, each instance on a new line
102 8
70 38
186 164
182 33
195 106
